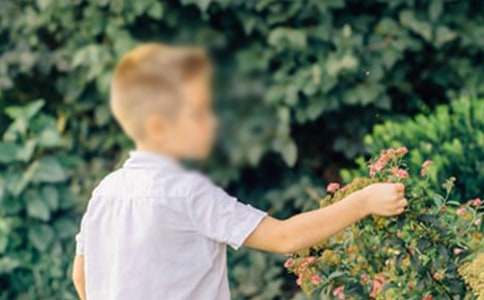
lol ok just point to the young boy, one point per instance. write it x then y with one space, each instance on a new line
154 229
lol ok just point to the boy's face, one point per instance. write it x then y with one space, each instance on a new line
191 133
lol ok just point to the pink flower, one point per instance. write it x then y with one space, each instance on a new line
289 263
425 166
385 157
476 202
299 281
378 283
461 211
378 165
339 292
400 173
478 222
310 259
302 267
305 263
427 297
401 151
381 162
315 279
332 187
458 251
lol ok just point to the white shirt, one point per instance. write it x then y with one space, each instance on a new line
156 230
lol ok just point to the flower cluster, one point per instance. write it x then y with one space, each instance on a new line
303 268
387 156
429 252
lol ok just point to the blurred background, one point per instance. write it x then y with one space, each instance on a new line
306 90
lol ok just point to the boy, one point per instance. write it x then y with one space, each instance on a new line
156 230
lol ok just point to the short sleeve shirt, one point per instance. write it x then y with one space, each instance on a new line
156 230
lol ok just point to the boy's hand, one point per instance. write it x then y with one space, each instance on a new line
385 199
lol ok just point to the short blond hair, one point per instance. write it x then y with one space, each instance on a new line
148 79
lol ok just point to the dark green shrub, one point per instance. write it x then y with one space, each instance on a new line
37 197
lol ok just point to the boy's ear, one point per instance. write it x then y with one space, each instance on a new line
155 124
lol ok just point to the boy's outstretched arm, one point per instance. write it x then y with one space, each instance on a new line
309 228
78 276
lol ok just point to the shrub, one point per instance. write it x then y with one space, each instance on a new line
415 255
37 199
453 136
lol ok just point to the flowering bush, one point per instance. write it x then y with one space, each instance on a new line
428 252
453 136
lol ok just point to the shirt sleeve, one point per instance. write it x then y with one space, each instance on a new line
80 235
219 216
79 238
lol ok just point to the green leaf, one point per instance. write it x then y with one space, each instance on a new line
25 112
66 228
102 116
284 36
3 188
444 35
67 198
51 196
3 242
435 9
26 151
37 207
16 181
408 19
41 236
48 169
49 137
289 153
156 11
337 63
202 4
43 4
8 264
8 152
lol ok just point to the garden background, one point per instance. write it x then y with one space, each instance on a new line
301 86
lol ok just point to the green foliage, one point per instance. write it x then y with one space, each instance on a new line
414 255
300 62
453 136
37 219
299 84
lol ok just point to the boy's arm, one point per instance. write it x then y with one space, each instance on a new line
309 228
78 276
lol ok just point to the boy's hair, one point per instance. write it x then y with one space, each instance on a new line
148 79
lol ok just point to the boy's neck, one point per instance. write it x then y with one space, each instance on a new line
156 149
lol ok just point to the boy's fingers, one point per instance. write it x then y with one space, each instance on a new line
399 210
400 187
403 202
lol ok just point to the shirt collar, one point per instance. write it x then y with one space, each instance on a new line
148 158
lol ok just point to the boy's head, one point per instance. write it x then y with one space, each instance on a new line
161 97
